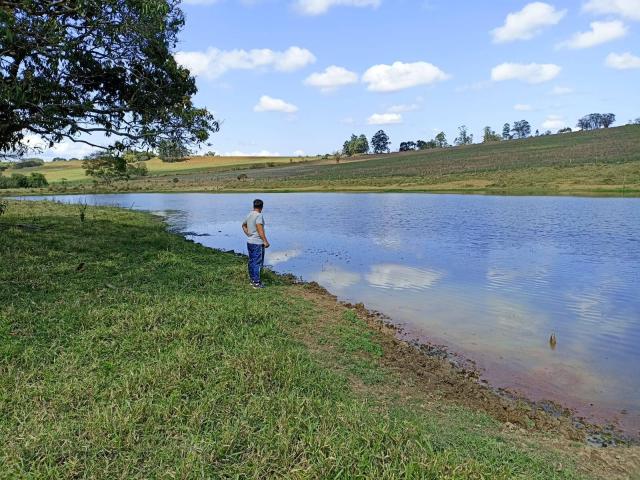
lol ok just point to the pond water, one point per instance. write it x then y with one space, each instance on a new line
491 277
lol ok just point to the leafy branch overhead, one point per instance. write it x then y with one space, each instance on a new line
73 68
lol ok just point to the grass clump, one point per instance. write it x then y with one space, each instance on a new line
129 352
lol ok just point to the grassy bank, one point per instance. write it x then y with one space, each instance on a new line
129 352
600 162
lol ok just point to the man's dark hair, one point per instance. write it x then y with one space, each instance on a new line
257 203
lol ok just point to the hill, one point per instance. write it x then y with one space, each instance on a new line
599 162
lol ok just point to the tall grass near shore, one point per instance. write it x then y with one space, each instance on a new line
129 352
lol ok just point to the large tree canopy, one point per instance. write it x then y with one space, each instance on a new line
71 68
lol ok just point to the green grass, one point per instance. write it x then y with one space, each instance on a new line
155 359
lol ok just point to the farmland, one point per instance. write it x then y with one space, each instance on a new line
600 162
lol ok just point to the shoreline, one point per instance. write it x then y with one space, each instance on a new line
461 371
595 193
125 337
464 369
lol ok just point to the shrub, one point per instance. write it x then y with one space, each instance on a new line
18 180
29 162
37 180
138 169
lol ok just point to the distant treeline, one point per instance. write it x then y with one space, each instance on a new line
358 144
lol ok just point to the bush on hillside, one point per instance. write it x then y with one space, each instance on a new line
18 180
29 162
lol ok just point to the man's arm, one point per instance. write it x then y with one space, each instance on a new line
263 236
245 229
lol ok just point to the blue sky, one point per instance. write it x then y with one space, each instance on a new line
412 68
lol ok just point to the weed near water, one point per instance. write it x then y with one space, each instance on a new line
129 352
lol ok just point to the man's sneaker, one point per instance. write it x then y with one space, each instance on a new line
257 285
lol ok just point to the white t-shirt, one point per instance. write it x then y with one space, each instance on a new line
254 218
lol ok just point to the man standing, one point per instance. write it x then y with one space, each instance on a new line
253 227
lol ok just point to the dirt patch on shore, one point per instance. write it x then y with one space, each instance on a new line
428 375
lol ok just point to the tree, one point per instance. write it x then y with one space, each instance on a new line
565 130
363 144
422 145
608 119
171 152
380 142
521 129
596 120
441 140
583 123
69 68
463 138
356 145
105 167
537 134
489 136
407 146
506 132
59 159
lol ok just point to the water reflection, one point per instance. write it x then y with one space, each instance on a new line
336 278
273 259
400 277
492 277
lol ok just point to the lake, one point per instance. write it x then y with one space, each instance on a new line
491 277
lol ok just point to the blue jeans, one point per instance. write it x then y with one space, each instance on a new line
256 261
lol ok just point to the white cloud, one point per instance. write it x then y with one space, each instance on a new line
331 79
622 61
403 108
554 122
384 119
318 7
625 8
299 153
270 104
601 32
527 23
558 90
400 277
261 153
214 63
521 107
529 73
398 76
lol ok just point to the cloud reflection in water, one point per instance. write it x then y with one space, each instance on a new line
401 277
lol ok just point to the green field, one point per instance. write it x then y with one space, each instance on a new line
600 162
73 172
129 352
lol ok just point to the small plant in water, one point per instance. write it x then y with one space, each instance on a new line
3 207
